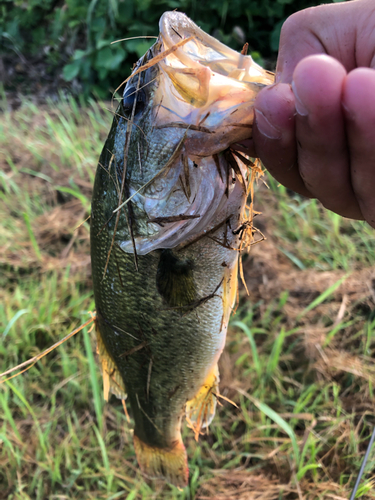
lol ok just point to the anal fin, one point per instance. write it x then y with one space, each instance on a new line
201 409
165 463
112 380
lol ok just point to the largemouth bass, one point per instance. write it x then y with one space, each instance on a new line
167 218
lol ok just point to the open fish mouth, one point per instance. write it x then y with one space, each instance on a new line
192 65
194 99
206 83
200 83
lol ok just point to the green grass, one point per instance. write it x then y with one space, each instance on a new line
311 236
298 361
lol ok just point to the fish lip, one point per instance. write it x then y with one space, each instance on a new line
209 81
175 26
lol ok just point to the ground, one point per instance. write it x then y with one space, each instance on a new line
299 359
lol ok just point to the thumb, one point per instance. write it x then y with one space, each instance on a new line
274 136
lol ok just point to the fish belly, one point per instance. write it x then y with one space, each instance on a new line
163 328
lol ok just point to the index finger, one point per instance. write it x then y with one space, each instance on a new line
326 29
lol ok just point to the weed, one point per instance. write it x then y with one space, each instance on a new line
298 360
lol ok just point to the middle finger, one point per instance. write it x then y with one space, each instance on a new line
322 149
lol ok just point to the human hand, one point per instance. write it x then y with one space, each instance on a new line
315 128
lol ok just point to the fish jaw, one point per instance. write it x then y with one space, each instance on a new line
206 84
202 101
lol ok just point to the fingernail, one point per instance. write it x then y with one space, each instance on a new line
300 107
278 77
347 111
265 127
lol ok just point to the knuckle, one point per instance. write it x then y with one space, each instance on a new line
297 22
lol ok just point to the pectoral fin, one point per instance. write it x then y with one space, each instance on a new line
201 409
230 287
112 380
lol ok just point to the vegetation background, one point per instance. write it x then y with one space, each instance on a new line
39 38
299 360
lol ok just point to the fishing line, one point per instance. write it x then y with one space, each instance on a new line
364 461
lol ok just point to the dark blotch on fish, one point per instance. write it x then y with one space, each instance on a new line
174 280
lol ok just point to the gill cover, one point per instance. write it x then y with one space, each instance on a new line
204 97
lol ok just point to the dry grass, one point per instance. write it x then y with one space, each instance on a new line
299 360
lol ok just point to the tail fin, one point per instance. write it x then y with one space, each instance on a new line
166 463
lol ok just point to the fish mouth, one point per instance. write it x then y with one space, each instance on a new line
206 83
199 97
204 52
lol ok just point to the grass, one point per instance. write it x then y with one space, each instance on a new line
298 360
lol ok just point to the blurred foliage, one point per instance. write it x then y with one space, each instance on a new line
76 35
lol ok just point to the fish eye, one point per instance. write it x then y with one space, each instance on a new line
130 95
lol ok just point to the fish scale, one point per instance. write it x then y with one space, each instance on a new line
137 306
164 290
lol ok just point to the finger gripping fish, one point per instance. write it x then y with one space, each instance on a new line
168 201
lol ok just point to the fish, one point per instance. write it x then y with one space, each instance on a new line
167 224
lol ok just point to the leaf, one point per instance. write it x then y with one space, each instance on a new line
102 57
85 202
80 54
32 236
102 73
142 47
253 346
293 258
109 58
277 419
103 43
322 297
301 473
13 320
70 71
